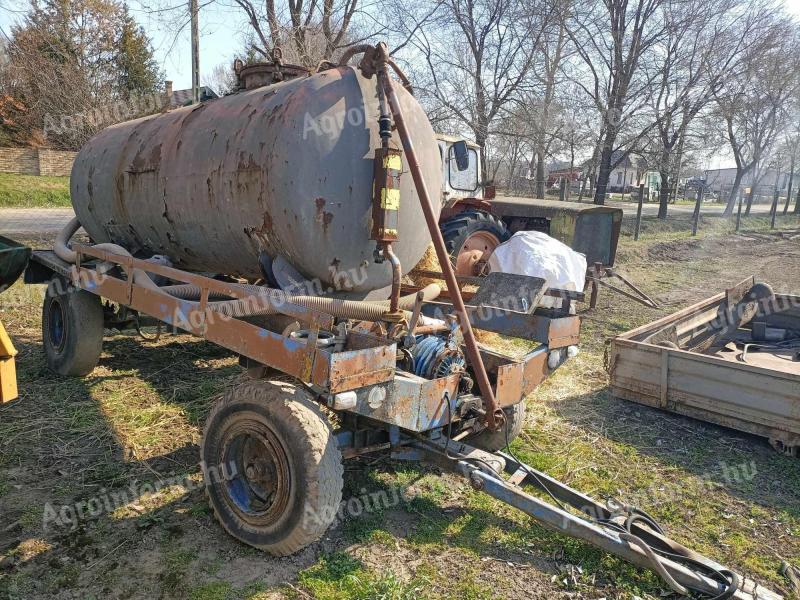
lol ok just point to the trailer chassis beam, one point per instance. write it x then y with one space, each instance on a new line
602 527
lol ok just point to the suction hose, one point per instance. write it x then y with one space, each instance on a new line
264 301
67 254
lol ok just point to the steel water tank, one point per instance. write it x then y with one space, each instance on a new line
285 169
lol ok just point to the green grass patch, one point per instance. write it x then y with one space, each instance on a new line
342 577
33 191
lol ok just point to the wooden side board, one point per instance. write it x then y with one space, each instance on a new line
749 398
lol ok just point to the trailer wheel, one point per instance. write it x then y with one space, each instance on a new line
272 469
470 238
72 330
492 441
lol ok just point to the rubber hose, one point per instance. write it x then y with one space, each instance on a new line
268 304
192 292
64 252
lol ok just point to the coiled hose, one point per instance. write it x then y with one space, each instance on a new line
264 301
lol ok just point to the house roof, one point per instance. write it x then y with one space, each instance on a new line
631 161
184 97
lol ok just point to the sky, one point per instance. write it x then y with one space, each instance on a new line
221 37
221 33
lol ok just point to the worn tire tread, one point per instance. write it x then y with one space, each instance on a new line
310 427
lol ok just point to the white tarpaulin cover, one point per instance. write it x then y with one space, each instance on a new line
536 254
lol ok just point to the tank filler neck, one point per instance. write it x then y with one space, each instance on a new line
261 74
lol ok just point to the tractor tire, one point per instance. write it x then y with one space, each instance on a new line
72 330
493 441
272 468
472 232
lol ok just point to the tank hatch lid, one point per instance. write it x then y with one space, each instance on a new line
260 74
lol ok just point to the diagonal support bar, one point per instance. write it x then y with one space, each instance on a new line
494 414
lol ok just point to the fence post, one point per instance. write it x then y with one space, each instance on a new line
774 211
696 214
562 189
639 213
739 211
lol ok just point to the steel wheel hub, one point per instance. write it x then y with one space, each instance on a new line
257 473
475 253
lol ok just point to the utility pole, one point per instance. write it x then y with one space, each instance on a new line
194 9
791 180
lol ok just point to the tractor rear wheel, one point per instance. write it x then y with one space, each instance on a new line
272 469
470 238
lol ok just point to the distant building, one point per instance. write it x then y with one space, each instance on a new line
721 180
184 97
627 174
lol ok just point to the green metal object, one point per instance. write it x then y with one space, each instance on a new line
13 260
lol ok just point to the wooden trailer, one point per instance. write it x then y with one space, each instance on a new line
745 376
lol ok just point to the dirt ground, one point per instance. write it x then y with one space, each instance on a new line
120 448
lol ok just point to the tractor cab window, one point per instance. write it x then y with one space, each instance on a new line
466 180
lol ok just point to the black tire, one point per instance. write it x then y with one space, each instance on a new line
492 441
72 330
456 230
272 469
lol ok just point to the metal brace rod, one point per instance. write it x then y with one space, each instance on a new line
494 414
594 509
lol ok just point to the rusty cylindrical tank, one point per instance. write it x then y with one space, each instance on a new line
285 169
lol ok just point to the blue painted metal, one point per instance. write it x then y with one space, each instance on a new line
426 354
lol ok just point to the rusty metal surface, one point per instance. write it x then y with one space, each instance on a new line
372 361
516 379
286 169
554 331
758 400
408 401
589 229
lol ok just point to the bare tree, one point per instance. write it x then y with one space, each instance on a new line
553 50
753 105
706 42
612 38
309 31
479 54
222 78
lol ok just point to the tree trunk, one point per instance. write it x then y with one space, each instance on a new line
789 190
797 203
604 172
540 181
737 181
750 200
663 195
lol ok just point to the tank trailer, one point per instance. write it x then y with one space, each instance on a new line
203 218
